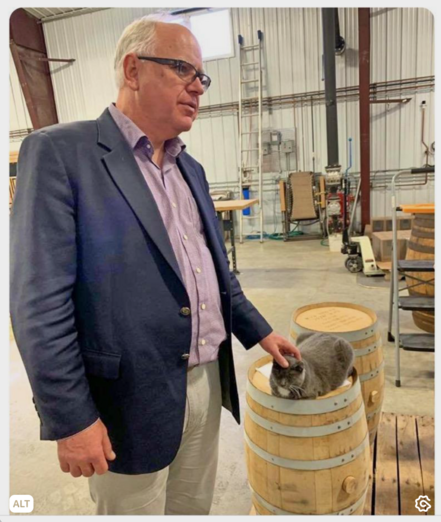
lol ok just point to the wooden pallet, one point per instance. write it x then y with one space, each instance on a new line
402 466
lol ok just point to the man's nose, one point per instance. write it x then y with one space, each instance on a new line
196 86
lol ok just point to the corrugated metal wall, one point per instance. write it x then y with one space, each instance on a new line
402 47
18 113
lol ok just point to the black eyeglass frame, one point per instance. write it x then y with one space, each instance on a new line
176 63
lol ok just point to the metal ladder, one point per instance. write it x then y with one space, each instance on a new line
250 124
414 341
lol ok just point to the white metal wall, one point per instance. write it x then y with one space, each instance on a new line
18 113
402 45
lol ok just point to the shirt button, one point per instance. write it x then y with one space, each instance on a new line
185 237
149 147
173 204
198 270
185 356
203 342
185 311
203 306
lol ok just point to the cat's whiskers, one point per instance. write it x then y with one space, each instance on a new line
296 390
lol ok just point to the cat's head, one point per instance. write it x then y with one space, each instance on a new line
293 375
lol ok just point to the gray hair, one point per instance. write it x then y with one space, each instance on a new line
139 38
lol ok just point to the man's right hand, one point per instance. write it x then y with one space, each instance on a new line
87 452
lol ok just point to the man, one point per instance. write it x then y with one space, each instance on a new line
122 302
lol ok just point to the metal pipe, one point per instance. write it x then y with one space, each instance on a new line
354 208
313 141
423 107
328 20
364 29
395 281
343 94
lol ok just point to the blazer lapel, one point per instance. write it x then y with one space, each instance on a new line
124 170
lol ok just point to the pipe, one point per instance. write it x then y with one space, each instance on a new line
343 94
328 20
346 235
312 131
423 108
364 36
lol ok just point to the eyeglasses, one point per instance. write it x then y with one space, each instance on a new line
184 70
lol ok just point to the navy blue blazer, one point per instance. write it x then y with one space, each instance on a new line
96 294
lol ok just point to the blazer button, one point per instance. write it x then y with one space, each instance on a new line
185 356
185 311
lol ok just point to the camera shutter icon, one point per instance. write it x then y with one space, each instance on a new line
422 503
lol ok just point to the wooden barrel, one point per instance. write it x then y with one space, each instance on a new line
359 326
422 246
309 456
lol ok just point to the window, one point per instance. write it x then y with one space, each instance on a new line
213 31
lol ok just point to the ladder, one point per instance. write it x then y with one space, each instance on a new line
416 342
250 124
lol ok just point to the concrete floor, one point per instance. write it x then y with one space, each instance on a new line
278 278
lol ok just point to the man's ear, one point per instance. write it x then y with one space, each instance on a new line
131 71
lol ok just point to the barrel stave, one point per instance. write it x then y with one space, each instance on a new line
308 492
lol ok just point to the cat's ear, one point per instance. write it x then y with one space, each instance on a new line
299 366
302 337
341 343
344 350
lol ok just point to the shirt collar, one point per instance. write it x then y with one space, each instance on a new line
138 139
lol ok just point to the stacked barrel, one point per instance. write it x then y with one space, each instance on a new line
359 326
421 246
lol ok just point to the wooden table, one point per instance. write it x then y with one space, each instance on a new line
228 224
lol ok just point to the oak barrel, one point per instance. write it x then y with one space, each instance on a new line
359 326
422 246
309 456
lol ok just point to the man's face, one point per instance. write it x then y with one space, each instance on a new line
170 103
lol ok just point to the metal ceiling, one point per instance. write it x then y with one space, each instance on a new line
45 14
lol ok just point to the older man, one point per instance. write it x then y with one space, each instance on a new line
122 302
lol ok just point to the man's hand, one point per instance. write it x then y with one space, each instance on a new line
276 345
86 452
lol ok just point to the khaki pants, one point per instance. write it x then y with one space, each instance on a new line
186 486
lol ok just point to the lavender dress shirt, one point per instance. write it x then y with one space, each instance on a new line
185 230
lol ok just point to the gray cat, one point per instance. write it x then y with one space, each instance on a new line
326 362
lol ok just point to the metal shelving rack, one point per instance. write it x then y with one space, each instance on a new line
420 342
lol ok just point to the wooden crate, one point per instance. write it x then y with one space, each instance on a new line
382 244
384 224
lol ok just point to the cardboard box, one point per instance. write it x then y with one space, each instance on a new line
384 224
382 244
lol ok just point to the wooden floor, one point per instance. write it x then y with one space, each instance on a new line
403 466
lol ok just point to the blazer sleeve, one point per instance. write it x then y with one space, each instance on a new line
43 268
248 324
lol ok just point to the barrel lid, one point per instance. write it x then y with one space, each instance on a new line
420 208
335 318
